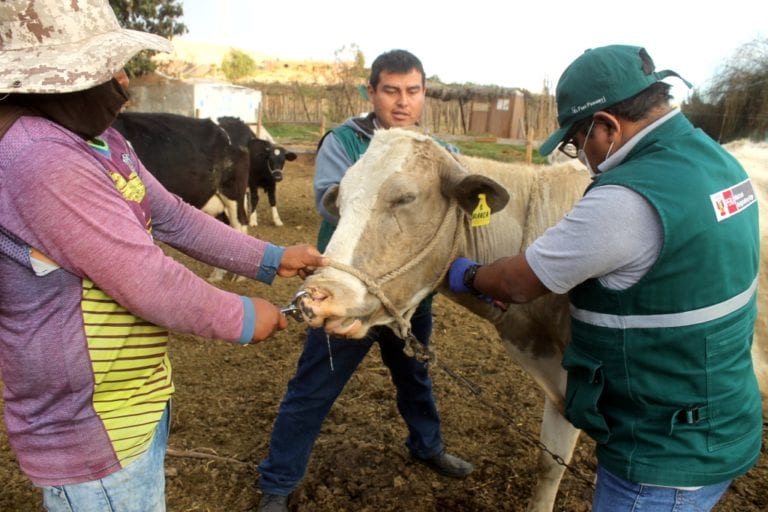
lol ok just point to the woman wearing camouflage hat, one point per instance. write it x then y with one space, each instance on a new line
86 296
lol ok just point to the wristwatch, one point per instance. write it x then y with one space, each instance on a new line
469 278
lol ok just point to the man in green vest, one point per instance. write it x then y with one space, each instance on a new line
660 261
396 90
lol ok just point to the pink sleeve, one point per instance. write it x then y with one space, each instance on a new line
199 235
70 210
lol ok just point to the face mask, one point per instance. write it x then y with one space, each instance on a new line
87 113
583 156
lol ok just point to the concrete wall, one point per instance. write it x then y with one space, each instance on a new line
220 99
196 99
174 97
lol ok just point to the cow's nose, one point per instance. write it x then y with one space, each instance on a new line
312 302
277 175
303 303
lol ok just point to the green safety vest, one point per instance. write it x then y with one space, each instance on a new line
660 374
355 144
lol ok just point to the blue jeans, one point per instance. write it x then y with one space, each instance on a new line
138 487
614 494
313 389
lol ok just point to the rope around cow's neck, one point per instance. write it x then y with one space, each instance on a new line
430 247
423 353
374 286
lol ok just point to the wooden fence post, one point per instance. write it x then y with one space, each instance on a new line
303 102
529 147
258 116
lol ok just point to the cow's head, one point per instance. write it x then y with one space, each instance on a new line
274 156
402 210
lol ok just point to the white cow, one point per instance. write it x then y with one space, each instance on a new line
405 212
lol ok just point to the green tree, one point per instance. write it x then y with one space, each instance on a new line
237 64
735 104
350 74
350 64
704 115
159 17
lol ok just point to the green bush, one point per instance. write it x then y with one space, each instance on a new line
237 64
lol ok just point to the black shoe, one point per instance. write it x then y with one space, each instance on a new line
448 465
273 503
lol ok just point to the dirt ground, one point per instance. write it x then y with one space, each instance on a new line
228 396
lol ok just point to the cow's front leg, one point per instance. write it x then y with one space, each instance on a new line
272 195
276 217
560 437
231 209
253 219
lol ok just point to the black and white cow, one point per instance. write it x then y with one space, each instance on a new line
266 165
194 159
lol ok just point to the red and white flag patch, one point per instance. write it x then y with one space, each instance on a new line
733 200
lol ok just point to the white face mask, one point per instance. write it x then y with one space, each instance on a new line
583 156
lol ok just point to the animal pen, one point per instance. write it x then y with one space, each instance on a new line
488 112
456 110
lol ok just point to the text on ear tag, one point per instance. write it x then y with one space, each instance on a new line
481 215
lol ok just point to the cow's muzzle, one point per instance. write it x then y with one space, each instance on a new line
293 310
320 309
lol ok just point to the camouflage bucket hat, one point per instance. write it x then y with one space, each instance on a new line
56 46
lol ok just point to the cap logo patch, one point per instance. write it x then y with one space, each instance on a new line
581 108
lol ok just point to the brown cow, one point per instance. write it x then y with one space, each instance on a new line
405 212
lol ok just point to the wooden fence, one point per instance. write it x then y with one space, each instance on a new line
331 105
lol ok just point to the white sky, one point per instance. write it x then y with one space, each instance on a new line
487 42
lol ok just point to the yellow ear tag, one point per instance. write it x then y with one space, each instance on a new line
481 216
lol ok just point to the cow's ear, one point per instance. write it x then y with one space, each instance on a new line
468 189
457 182
290 156
329 201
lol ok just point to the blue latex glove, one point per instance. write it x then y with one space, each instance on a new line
456 281
456 275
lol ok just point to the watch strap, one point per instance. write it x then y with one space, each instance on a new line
469 278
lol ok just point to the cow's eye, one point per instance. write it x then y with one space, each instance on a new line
402 200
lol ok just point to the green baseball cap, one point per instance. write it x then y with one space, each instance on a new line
597 79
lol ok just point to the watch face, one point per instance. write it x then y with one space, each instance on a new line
469 277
